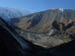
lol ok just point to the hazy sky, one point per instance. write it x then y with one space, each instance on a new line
38 5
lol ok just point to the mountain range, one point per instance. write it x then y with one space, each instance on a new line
46 33
47 28
12 44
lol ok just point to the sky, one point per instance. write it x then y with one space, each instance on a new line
38 5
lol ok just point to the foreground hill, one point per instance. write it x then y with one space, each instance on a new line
12 44
48 28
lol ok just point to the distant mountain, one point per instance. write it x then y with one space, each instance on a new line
47 28
10 13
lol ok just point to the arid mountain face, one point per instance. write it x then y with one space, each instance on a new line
48 28
11 44
56 35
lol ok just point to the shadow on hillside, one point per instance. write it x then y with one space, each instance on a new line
67 49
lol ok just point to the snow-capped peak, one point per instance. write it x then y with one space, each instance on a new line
61 9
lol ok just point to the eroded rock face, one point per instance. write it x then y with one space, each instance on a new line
11 44
52 28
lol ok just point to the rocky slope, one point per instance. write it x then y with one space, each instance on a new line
12 44
48 28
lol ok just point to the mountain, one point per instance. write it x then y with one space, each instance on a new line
12 44
57 44
10 13
48 28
